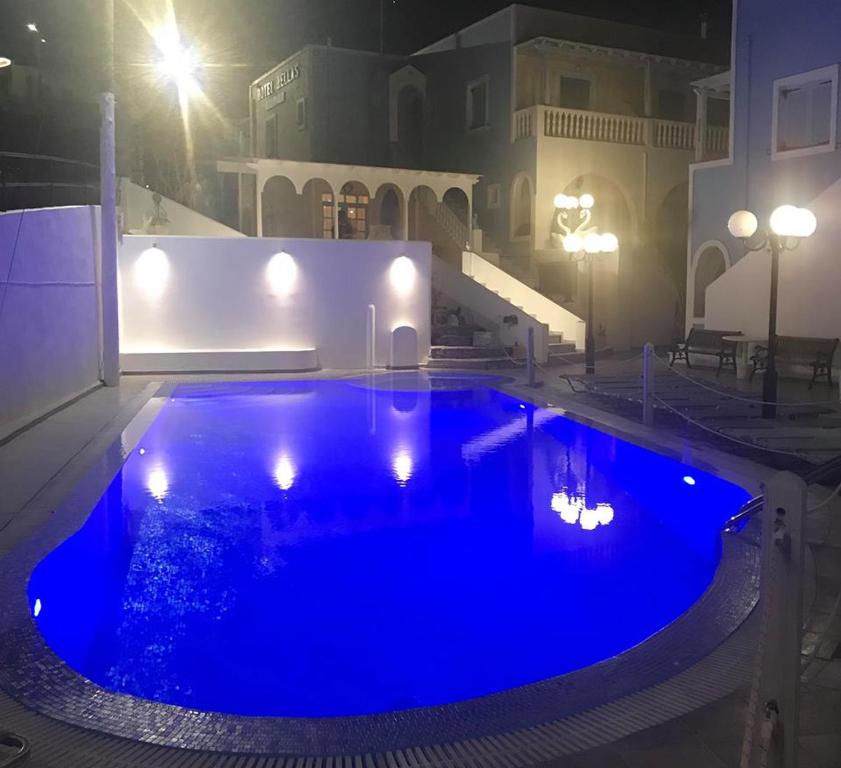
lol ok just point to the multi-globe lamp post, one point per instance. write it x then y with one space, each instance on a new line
584 243
787 226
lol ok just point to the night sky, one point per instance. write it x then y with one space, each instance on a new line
245 37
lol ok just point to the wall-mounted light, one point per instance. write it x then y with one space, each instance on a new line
5 61
281 272
402 274
151 272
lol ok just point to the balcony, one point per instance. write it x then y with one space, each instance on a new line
563 123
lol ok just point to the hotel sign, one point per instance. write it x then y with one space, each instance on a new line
277 82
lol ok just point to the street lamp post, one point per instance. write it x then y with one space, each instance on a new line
788 225
584 244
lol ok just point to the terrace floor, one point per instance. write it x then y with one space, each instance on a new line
40 466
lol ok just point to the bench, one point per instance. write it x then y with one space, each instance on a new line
702 341
800 350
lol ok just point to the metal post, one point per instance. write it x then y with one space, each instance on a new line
371 334
771 728
769 381
530 356
108 217
590 342
648 384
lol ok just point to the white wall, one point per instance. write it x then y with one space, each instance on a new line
217 297
137 207
49 318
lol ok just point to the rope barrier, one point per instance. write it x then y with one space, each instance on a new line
752 400
723 435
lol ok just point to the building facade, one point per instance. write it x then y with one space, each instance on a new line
784 86
534 102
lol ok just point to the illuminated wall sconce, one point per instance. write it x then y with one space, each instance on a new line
151 272
281 272
402 274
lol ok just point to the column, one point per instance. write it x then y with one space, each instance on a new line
700 124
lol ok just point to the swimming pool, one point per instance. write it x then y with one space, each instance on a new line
335 548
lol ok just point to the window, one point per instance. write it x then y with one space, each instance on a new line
805 112
477 104
671 105
575 93
493 195
301 113
354 207
270 140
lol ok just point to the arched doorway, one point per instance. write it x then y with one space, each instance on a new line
354 202
387 214
521 208
410 127
317 216
282 209
710 264
456 200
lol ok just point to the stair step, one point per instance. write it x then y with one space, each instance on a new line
561 347
473 363
464 352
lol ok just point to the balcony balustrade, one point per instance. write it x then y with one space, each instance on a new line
586 125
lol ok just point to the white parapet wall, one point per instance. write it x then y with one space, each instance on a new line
265 304
527 299
49 317
137 209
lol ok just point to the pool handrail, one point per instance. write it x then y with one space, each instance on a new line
828 470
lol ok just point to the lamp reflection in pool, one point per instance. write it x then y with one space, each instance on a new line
151 272
689 480
402 466
572 510
284 473
402 274
157 483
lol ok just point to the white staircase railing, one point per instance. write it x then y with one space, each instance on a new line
447 220
520 295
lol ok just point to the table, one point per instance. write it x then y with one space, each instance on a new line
744 351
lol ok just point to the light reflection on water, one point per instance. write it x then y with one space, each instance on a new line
358 550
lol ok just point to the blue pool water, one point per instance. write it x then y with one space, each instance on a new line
330 548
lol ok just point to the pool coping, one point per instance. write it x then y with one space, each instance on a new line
32 674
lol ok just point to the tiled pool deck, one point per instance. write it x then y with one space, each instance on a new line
42 682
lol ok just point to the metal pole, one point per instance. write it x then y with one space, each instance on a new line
771 727
648 384
108 212
590 342
769 381
530 356
382 26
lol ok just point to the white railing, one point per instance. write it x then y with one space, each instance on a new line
593 126
455 228
559 122
671 134
717 140
558 319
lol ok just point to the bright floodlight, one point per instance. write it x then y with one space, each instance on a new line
742 224
177 63
609 243
32 27
561 201
790 221
5 62
587 200
573 243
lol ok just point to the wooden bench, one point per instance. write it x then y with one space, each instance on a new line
800 350
702 341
